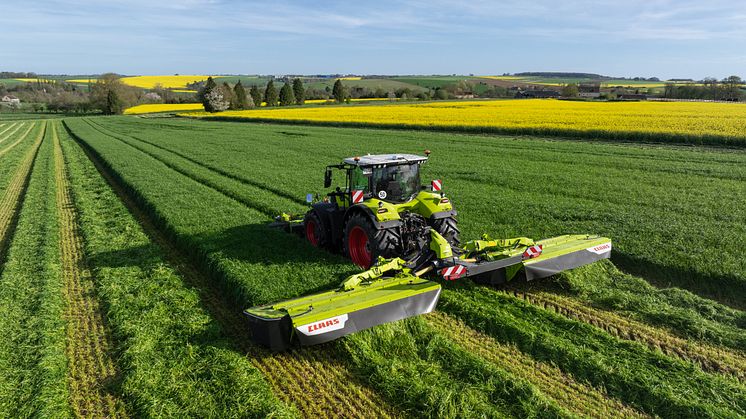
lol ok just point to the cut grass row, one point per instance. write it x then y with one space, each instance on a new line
91 366
652 399
14 177
273 260
20 137
275 150
174 359
709 358
646 379
578 398
33 365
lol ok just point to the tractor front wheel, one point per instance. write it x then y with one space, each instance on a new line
363 243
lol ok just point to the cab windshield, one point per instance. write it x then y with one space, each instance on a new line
396 183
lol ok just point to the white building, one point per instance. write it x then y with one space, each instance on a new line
11 100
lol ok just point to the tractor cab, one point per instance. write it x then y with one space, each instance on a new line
393 178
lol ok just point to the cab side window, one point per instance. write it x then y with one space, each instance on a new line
359 180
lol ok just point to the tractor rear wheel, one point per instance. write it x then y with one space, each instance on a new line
448 228
363 243
314 230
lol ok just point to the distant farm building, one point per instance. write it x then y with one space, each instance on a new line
10 99
537 94
465 95
631 96
589 90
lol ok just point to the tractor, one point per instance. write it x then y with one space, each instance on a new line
381 210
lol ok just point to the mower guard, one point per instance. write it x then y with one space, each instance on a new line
558 254
329 315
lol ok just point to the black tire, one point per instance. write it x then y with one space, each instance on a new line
448 228
384 242
320 236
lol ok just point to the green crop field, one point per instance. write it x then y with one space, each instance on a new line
129 247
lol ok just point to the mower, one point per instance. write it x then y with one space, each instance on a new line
401 232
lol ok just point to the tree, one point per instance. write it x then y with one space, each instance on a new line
208 88
338 91
732 88
239 96
215 102
110 95
570 90
270 94
440 94
256 95
228 96
114 104
299 91
286 95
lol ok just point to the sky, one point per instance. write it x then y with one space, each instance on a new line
662 38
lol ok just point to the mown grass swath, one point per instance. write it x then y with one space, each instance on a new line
33 366
578 398
647 379
259 265
519 187
90 359
175 360
420 366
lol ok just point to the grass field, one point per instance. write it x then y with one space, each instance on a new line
138 241
215 168
722 124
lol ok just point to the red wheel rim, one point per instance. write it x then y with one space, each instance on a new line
311 233
357 243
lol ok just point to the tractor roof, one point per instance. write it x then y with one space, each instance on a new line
386 159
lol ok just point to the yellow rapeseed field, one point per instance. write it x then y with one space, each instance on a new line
149 82
163 107
172 82
704 121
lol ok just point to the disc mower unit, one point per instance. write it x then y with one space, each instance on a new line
387 292
400 231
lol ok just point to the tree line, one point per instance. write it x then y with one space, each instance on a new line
728 89
220 97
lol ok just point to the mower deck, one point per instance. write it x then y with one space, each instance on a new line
326 316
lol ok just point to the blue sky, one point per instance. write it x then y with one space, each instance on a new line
619 38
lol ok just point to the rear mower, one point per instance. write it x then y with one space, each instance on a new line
400 232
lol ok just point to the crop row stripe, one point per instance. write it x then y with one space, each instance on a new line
201 180
12 133
88 339
7 129
312 379
13 197
208 167
577 397
216 170
18 141
709 358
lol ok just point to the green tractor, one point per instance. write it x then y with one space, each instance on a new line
406 238
382 210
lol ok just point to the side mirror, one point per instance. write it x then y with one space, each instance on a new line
328 178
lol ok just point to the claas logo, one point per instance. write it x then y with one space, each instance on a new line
322 325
